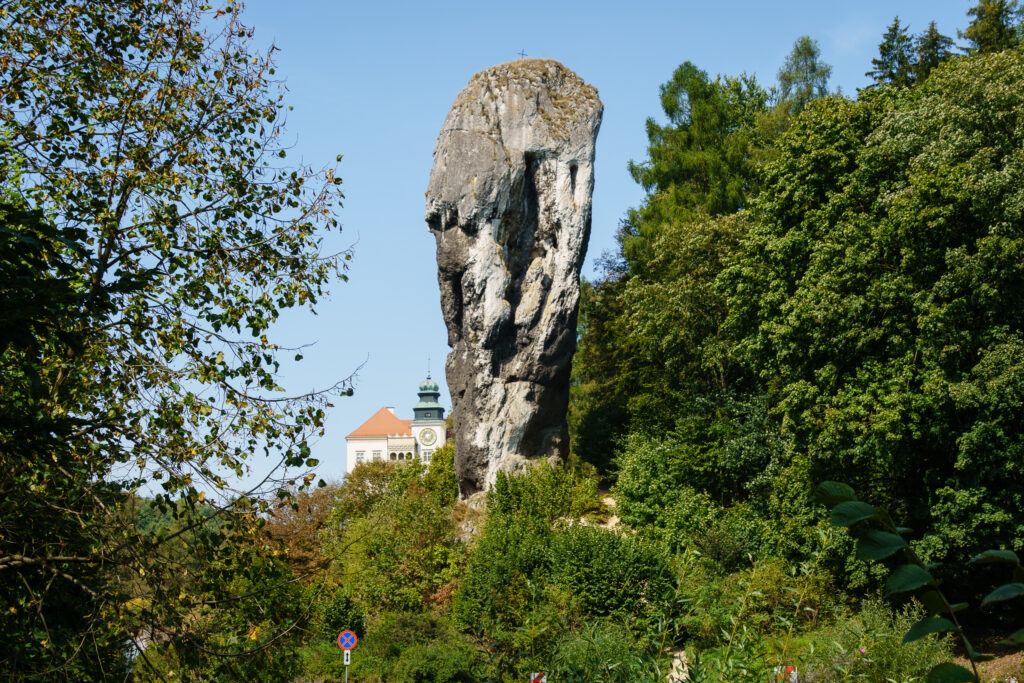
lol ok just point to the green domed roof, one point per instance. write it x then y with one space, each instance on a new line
428 409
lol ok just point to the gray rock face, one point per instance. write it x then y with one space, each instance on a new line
509 205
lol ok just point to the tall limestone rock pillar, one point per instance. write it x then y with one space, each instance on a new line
509 205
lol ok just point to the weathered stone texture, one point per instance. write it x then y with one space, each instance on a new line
509 205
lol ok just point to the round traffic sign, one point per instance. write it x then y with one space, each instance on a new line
347 640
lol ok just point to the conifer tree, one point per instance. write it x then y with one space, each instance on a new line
995 26
894 65
932 49
803 76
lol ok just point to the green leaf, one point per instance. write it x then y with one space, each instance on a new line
934 602
876 545
1007 591
851 512
832 492
1017 636
928 626
950 673
907 577
990 556
977 656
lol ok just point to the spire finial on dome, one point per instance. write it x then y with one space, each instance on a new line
428 366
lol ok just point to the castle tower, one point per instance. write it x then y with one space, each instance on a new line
428 420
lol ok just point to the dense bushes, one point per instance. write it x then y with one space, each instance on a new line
541 588
868 646
536 575
859 318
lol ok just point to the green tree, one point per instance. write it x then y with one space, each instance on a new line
670 335
401 553
895 62
138 139
803 77
933 48
639 358
878 298
598 404
702 154
995 26
440 479
47 583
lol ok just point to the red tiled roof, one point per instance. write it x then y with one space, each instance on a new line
383 423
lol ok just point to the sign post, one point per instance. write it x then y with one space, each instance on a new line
346 641
538 678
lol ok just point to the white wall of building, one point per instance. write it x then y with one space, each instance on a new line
369 447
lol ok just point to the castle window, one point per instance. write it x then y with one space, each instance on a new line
360 457
426 457
426 414
376 455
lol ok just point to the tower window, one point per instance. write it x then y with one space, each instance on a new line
426 414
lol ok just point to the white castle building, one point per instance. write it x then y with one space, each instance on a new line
385 436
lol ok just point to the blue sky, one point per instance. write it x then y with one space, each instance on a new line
374 80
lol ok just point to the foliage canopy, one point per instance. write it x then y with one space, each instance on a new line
143 190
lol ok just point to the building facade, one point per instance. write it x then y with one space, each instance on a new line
385 436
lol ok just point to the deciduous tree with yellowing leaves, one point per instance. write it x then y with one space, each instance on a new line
152 233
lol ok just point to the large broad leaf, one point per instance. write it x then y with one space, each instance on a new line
977 656
876 545
1005 592
1017 636
832 492
851 512
882 515
928 626
934 602
907 577
950 673
996 556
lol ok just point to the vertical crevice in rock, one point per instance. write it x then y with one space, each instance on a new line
509 205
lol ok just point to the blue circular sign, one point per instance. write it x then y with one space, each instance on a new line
347 640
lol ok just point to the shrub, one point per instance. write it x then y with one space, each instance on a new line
618 576
507 556
335 610
603 652
401 550
544 493
413 648
868 646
